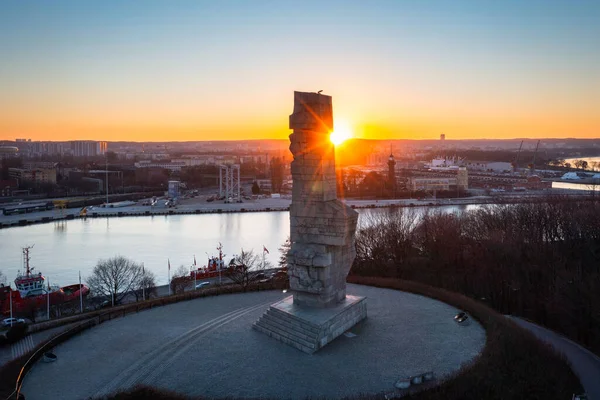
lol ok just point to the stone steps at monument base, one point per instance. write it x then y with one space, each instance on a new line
282 339
294 320
294 336
309 329
300 326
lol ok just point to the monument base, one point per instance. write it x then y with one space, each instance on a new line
309 329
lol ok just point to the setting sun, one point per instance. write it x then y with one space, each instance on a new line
341 133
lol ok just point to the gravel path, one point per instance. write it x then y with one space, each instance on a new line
207 347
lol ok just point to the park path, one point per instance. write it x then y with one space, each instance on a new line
584 363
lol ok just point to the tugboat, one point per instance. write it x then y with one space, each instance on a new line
213 268
30 284
33 289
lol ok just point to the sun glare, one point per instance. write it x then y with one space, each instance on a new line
341 133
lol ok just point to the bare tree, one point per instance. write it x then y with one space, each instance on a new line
145 286
584 164
180 280
246 268
580 164
114 277
2 278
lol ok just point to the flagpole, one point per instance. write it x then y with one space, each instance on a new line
264 252
220 266
169 275
10 297
80 295
195 270
48 305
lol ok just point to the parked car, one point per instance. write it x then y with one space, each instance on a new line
202 284
12 321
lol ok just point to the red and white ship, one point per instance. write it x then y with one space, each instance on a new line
213 268
34 291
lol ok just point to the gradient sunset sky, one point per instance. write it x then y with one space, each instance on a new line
218 70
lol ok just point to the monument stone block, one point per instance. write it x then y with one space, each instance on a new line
322 231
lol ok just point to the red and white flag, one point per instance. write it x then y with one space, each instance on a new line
265 249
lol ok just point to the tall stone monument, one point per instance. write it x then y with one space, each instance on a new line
322 232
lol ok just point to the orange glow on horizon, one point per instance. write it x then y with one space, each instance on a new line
213 124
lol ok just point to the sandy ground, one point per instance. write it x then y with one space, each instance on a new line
207 347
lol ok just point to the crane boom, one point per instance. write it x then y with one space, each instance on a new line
517 158
534 155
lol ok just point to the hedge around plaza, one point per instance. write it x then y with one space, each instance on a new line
513 365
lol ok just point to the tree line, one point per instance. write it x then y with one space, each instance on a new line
540 261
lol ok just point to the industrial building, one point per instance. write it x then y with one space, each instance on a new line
460 182
37 175
489 166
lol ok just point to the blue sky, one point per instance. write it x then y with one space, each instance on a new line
227 68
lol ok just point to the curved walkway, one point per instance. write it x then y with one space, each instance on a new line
584 363
207 347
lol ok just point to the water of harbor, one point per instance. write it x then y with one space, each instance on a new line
62 249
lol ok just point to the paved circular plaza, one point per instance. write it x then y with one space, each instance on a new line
207 347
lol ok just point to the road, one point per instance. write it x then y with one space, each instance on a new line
584 363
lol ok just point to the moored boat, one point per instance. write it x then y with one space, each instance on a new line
34 291
214 267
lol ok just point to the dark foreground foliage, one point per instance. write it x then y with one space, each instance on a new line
513 365
145 392
540 261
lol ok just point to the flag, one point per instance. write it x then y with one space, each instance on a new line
265 249
79 278
169 261
194 260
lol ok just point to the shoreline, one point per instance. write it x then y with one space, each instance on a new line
261 205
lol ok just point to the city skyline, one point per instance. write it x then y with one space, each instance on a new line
192 71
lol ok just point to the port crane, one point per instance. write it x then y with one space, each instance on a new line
516 164
534 156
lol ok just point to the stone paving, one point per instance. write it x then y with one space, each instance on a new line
207 347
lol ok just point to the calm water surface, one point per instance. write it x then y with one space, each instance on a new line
61 249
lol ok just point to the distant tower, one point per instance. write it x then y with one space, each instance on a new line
392 173
443 136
